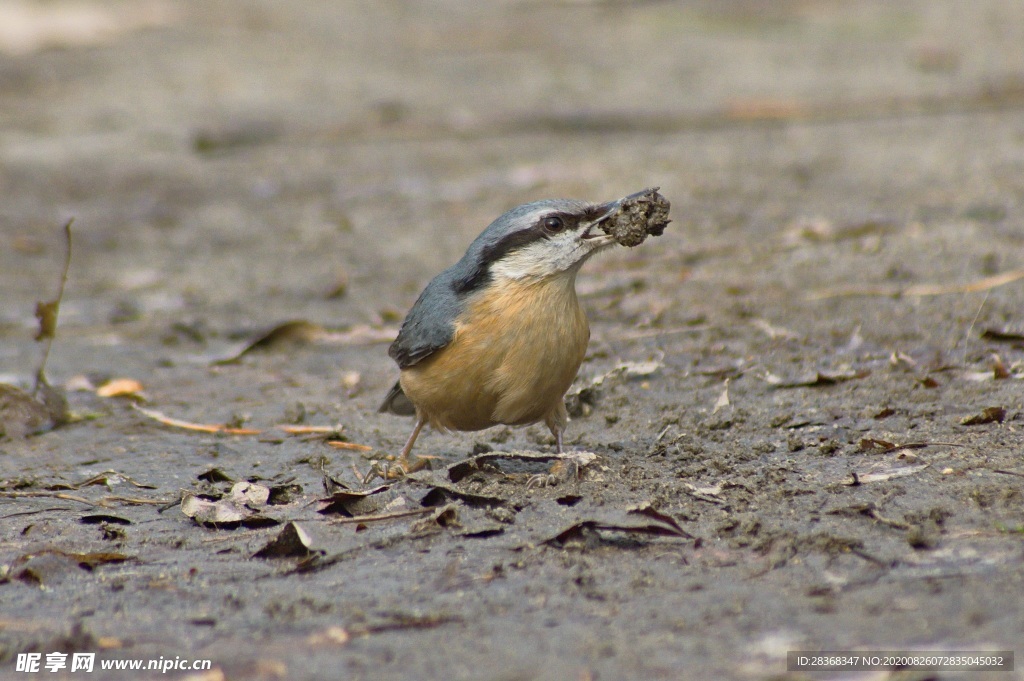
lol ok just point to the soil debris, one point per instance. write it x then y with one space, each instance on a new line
638 216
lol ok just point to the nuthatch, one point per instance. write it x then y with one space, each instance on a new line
498 337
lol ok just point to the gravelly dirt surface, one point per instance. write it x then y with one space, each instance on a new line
787 376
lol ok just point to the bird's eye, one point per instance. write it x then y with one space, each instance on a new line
553 224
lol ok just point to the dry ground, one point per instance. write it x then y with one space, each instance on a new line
789 372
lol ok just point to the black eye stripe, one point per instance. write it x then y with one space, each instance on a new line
495 252
508 244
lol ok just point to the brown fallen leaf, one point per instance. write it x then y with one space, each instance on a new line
302 332
291 542
250 494
225 513
1004 334
214 475
652 523
198 427
882 474
999 370
873 444
647 510
295 332
440 517
987 415
356 502
868 444
41 567
442 493
816 379
723 400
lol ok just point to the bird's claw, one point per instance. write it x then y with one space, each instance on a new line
387 470
561 471
542 480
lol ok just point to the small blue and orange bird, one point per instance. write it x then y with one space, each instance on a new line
498 337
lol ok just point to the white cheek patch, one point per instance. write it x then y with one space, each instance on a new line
536 260
544 258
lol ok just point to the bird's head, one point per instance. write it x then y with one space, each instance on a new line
536 241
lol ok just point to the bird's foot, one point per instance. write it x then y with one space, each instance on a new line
563 470
394 470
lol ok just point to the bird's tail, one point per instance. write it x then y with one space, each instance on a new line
396 402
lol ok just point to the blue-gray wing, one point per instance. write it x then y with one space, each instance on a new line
430 324
429 327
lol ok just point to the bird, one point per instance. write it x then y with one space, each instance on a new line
498 337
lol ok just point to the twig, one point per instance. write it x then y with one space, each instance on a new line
53 495
970 329
352 446
137 501
45 333
985 284
198 427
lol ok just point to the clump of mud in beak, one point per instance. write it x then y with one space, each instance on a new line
637 216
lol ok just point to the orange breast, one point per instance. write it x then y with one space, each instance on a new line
515 352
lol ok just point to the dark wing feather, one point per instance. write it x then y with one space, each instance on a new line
427 328
430 324
396 402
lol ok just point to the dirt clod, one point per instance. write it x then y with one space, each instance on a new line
639 215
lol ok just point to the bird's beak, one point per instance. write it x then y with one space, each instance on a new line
601 213
605 211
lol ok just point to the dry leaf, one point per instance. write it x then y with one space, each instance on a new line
655 523
816 379
250 494
222 514
999 370
988 415
723 400
356 502
46 314
1003 334
291 542
879 475
120 387
293 332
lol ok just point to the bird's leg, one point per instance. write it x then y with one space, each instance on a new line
558 470
402 464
